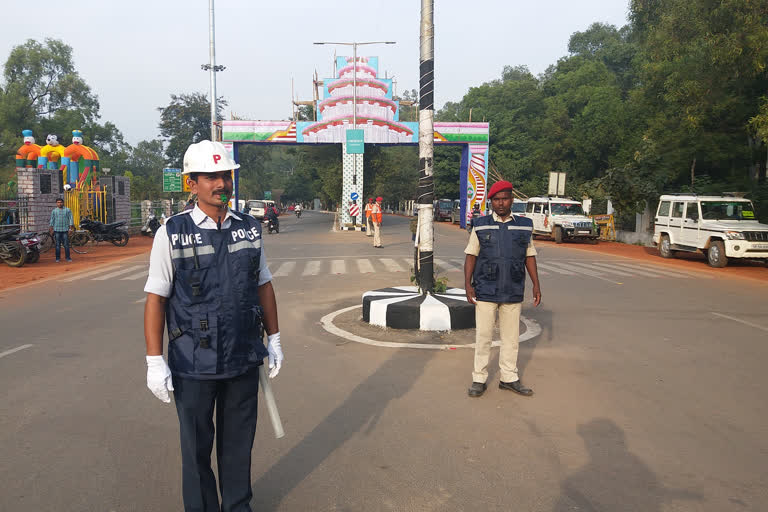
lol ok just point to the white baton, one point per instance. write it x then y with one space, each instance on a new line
274 415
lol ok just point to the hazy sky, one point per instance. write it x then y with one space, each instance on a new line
135 54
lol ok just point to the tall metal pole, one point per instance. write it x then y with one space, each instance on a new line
426 191
212 63
354 111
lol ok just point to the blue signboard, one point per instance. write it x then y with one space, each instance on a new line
355 142
354 196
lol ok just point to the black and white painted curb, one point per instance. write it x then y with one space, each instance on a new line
403 307
532 329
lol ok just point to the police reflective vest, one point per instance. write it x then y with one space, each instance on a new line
213 315
499 274
368 208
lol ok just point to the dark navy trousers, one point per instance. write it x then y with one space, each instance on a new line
235 401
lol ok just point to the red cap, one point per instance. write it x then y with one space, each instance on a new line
370 199
498 187
379 198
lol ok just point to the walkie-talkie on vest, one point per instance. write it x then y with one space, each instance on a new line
195 279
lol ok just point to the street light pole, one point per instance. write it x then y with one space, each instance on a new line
212 58
212 67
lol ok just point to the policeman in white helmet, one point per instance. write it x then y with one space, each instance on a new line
209 283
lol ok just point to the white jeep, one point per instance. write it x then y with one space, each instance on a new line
721 227
560 219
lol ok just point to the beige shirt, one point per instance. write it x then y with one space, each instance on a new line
473 247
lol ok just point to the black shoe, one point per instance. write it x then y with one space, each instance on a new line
477 389
517 387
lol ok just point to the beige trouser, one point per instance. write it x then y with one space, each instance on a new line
509 325
376 234
368 227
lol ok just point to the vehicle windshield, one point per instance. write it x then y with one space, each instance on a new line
566 209
727 210
256 204
446 205
518 207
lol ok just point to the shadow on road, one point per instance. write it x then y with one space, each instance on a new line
614 478
362 408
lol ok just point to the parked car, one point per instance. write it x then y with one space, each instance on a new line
443 209
721 227
560 218
518 206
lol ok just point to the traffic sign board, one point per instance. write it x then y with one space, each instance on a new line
171 180
354 210
354 196
355 142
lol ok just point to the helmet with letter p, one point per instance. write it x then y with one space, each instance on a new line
207 156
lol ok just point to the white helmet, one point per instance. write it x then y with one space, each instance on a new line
207 156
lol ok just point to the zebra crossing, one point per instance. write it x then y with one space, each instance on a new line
605 269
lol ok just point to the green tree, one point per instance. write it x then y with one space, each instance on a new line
186 120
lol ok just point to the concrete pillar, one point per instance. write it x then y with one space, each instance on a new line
351 183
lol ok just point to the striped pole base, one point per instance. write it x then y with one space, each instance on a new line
403 307
349 227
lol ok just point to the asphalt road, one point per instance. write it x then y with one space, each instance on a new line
649 392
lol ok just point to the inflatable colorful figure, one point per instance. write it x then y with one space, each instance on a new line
26 155
50 155
78 156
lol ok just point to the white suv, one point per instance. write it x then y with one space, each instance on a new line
721 227
560 219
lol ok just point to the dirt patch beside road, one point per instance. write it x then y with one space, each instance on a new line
47 268
682 261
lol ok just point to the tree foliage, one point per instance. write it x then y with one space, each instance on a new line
186 120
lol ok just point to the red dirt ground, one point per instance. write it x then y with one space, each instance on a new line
47 268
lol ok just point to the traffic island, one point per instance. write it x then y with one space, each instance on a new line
348 326
405 307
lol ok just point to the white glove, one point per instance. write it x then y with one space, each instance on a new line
275 354
159 379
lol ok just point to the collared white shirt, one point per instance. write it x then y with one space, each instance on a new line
473 247
160 279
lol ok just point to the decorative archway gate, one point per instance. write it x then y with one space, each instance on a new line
377 116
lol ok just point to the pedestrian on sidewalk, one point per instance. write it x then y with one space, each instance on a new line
497 256
368 224
208 277
61 225
376 219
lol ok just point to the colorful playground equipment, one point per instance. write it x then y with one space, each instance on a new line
27 154
78 163
51 154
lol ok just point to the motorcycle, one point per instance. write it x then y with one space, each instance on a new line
12 252
298 213
31 244
151 226
272 225
475 215
106 232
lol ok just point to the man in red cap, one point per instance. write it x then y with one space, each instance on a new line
376 219
368 225
497 256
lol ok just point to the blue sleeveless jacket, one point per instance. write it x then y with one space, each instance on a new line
499 274
213 314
